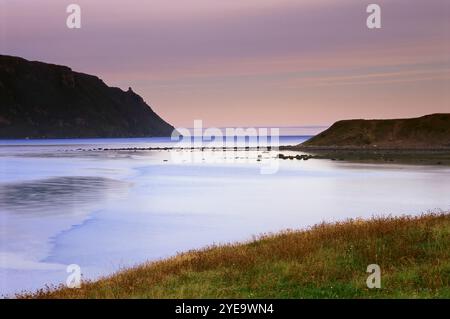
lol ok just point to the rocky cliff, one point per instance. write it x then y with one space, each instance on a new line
39 100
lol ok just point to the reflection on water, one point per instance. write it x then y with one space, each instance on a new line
107 210
55 195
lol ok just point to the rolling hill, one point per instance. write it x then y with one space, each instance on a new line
427 132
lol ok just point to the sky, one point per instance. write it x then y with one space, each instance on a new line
249 62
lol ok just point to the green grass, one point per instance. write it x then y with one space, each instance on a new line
325 261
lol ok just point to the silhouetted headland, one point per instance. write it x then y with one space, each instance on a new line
40 100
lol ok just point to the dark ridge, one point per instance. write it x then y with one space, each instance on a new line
40 100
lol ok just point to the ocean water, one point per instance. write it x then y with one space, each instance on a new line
105 210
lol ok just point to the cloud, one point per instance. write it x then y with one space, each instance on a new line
205 45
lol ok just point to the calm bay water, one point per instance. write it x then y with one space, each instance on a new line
105 210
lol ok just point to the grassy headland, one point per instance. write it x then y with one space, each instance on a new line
325 261
424 140
430 132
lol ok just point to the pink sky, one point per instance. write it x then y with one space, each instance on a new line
252 62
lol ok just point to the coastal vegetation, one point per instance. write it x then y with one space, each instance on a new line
324 261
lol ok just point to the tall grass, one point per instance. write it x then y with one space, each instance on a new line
325 261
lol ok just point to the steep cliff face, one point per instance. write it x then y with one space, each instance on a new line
39 100
427 132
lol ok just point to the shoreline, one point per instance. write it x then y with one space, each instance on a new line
323 261
432 156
